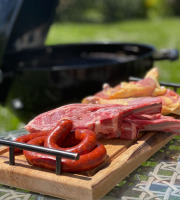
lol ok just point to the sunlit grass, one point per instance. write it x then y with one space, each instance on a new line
8 121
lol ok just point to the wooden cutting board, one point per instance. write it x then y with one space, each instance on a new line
123 158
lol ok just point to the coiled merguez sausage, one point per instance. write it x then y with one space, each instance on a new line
26 138
92 153
85 138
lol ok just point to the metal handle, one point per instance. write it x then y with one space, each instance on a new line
166 54
40 149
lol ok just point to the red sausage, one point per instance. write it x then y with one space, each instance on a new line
70 140
86 137
26 138
91 152
59 133
86 161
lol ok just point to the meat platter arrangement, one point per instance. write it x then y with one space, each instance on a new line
112 127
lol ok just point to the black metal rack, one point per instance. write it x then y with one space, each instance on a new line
58 153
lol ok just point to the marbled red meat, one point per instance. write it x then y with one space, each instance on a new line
109 121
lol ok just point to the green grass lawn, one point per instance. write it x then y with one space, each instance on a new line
159 33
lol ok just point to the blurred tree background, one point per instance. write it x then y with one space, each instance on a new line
105 11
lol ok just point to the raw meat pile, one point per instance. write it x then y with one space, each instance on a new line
133 93
119 112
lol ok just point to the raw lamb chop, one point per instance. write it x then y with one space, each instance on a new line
108 121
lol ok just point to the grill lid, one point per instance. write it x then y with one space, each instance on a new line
24 23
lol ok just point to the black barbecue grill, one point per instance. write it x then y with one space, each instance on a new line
36 78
